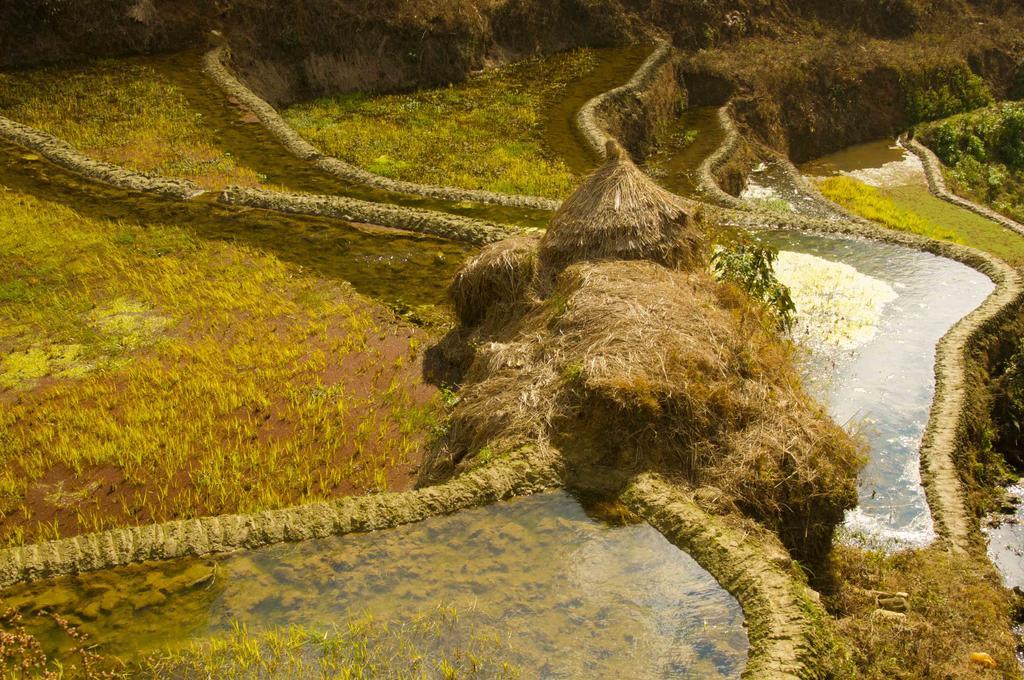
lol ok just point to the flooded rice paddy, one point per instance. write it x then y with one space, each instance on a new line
694 136
244 139
1006 540
615 66
395 267
871 315
569 595
572 596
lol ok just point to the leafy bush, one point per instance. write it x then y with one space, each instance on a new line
751 267
984 152
943 91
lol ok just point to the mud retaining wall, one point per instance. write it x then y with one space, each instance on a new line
63 154
631 113
444 225
715 165
781 612
214 66
520 474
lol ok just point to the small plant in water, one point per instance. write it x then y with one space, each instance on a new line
750 265
22 654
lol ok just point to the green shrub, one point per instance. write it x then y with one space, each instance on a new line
943 91
984 153
750 266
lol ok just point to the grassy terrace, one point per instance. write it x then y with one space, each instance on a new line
124 112
983 154
914 209
150 375
486 133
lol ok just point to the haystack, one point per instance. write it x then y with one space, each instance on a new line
621 352
620 214
501 273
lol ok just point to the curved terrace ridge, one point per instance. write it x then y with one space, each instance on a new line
59 152
419 220
937 185
214 66
945 430
782 613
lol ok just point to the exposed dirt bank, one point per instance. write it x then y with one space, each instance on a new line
815 89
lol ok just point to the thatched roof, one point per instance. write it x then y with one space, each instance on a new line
619 213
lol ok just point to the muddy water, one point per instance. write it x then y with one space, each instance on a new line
689 140
879 378
900 177
392 266
615 66
572 596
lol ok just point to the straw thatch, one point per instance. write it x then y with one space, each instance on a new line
499 274
623 354
633 366
619 213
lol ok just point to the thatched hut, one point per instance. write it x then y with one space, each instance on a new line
619 213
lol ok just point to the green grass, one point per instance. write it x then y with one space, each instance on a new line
914 209
873 204
984 155
148 375
486 133
436 643
124 113
431 645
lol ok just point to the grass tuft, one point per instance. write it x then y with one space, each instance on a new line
869 202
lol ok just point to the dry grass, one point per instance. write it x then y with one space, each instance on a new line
125 113
956 606
500 272
633 365
620 213
150 376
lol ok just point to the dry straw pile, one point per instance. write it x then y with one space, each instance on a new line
610 341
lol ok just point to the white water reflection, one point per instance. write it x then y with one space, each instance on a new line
900 302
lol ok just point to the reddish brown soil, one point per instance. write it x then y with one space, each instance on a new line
64 495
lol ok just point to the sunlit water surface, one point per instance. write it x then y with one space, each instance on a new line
870 315
572 596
